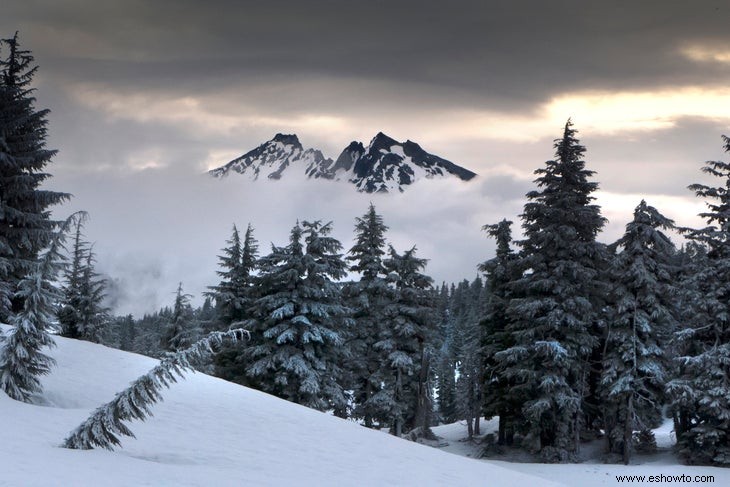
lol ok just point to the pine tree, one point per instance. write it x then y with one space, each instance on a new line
405 345
21 358
233 295
182 329
552 313
127 333
296 342
106 424
25 224
641 318
470 359
700 393
81 314
500 272
446 361
368 298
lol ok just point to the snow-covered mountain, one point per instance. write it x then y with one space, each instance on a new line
384 165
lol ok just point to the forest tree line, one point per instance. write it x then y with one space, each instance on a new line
561 337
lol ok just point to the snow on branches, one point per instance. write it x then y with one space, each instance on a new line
106 424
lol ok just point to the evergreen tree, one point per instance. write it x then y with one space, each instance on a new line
25 224
368 299
81 314
446 362
106 424
296 342
233 295
700 393
500 272
641 318
404 342
21 359
182 329
127 333
470 360
553 311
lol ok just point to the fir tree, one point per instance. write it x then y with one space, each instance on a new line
405 392
127 333
296 341
25 224
233 295
470 360
701 394
552 313
500 272
182 329
641 318
368 298
446 362
21 359
106 424
81 314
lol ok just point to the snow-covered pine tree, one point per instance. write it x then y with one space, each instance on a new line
106 424
470 360
700 393
445 368
127 332
368 299
406 344
25 224
297 320
641 318
21 358
552 313
233 295
182 330
81 314
499 398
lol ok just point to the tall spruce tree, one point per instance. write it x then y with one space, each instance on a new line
701 393
641 318
368 299
552 313
21 358
297 319
500 272
25 224
82 314
405 344
446 361
233 295
182 329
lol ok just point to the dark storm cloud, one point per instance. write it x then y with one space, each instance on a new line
503 52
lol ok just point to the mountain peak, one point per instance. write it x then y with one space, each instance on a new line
287 139
385 165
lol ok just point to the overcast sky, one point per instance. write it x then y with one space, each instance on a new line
145 96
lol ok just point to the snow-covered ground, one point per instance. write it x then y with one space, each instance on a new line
209 432
592 472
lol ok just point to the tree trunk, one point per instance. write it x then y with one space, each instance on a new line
628 429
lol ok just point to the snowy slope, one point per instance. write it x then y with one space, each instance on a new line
209 432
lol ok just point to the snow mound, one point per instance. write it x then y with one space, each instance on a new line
209 432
